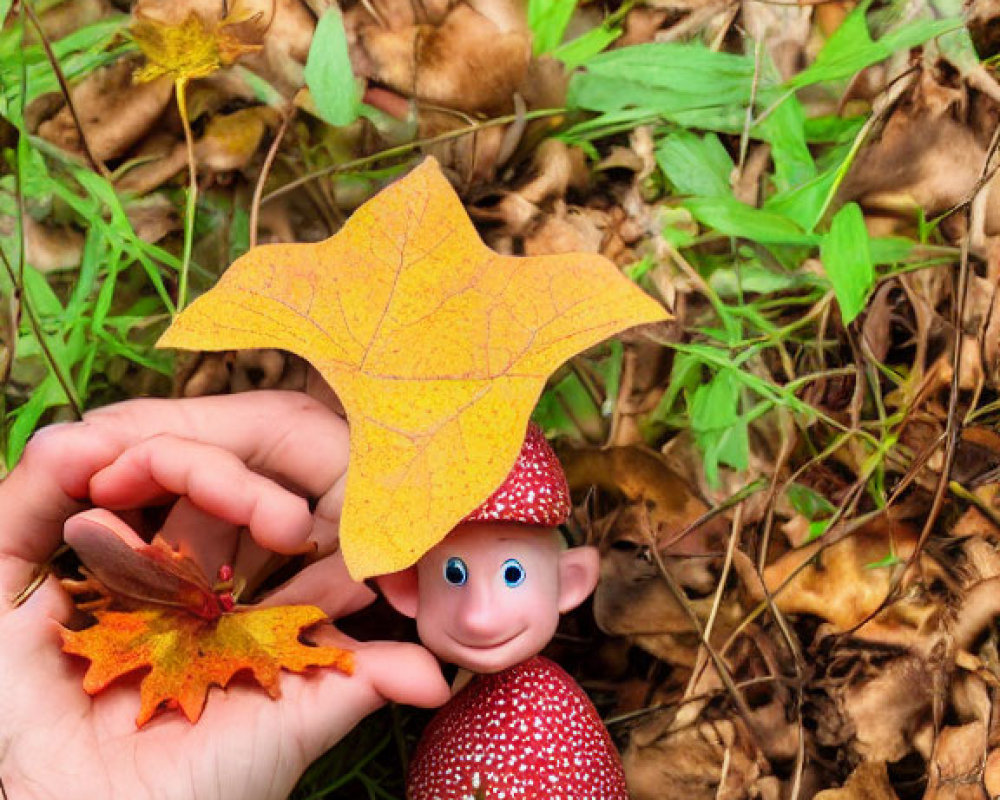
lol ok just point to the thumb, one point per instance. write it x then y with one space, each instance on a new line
330 704
403 673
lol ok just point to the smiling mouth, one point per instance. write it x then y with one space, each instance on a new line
491 646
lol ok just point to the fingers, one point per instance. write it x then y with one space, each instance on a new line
287 435
42 491
214 480
327 705
399 672
207 540
403 673
324 583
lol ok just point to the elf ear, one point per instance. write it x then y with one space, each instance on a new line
579 568
400 589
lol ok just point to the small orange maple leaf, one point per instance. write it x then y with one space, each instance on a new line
437 346
169 620
187 654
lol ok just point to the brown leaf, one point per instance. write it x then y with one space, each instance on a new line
115 112
844 583
957 765
869 781
465 63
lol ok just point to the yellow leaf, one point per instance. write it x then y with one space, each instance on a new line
437 347
186 655
192 48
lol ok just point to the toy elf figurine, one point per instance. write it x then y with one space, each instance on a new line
488 598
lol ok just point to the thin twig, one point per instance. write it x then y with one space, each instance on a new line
17 279
740 495
180 90
628 716
953 425
265 170
95 163
734 534
721 668
748 120
984 508
409 147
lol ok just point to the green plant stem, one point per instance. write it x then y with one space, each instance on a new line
409 147
180 86
67 385
96 164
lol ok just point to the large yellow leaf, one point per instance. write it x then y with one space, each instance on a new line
437 347
186 654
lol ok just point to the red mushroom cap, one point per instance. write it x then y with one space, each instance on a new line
528 733
535 491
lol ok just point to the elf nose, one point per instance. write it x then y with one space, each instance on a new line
478 618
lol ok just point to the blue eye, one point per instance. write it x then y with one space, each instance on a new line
455 571
513 573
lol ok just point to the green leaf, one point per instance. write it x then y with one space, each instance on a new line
850 49
583 48
847 260
808 502
757 279
548 20
662 78
24 419
806 202
717 426
729 216
784 129
890 249
695 165
611 370
328 71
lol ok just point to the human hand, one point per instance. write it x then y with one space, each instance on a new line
229 460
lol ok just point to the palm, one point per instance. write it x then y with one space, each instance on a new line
57 742
244 745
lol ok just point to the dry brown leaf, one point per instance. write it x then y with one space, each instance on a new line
466 63
889 712
115 112
991 773
158 160
956 769
705 761
48 248
844 584
230 141
869 781
927 156
152 217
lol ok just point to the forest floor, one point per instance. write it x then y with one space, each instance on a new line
794 484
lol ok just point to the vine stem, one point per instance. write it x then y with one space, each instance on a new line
265 170
96 164
180 89
409 147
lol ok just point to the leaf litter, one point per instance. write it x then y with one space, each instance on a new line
793 484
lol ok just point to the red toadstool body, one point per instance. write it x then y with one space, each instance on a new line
526 733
